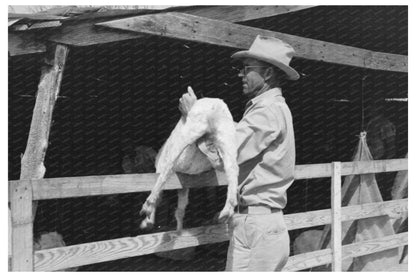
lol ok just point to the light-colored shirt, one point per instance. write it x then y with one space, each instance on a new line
266 151
381 135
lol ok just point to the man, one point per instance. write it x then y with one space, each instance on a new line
381 140
266 156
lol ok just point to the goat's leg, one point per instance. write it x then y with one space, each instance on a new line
180 210
228 152
193 129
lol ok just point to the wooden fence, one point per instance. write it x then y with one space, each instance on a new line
22 193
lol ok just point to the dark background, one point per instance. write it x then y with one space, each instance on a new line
117 96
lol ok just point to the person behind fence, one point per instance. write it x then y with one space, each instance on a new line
266 157
381 140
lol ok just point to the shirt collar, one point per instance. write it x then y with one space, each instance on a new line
265 95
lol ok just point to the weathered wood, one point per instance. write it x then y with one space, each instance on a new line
336 223
374 245
24 43
53 188
322 257
237 13
32 166
309 171
40 25
22 227
308 260
364 167
86 34
89 253
36 16
216 32
323 217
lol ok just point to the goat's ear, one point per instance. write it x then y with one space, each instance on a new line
191 92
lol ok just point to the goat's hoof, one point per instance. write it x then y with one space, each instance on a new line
147 209
146 224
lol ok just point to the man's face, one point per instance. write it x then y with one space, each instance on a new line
252 77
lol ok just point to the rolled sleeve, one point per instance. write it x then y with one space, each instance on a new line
255 132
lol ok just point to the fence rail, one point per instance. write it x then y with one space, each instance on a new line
23 192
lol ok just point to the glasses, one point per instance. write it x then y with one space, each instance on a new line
245 69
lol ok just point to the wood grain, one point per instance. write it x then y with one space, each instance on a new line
308 260
222 33
336 222
24 43
76 255
237 13
22 227
89 253
65 187
32 166
322 257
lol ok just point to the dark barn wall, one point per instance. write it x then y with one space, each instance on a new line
120 95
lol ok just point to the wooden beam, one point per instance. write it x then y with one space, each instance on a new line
86 34
102 251
32 166
322 257
336 227
80 30
40 25
109 250
374 245
22 227
216 32
237 13
25 43
53 188
308 260
377 166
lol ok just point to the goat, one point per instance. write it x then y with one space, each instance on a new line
208 120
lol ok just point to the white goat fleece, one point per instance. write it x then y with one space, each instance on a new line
210 120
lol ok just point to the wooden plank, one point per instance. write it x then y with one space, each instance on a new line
22 227
237 13
391 208
36 16
40 25
309 171
374 245
89 253
86 34
83 254
110 184
322 257
336 222
308 260
32 166
67 187
216 32
24 43
364 167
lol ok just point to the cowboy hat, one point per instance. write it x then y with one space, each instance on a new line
273 51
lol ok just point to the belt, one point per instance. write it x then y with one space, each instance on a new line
256 210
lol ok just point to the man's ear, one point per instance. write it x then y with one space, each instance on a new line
268 73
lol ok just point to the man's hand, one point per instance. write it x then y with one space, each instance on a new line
187 101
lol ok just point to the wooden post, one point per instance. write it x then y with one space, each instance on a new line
336 228
22 227
32 162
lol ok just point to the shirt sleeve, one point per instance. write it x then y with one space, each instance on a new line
255 132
